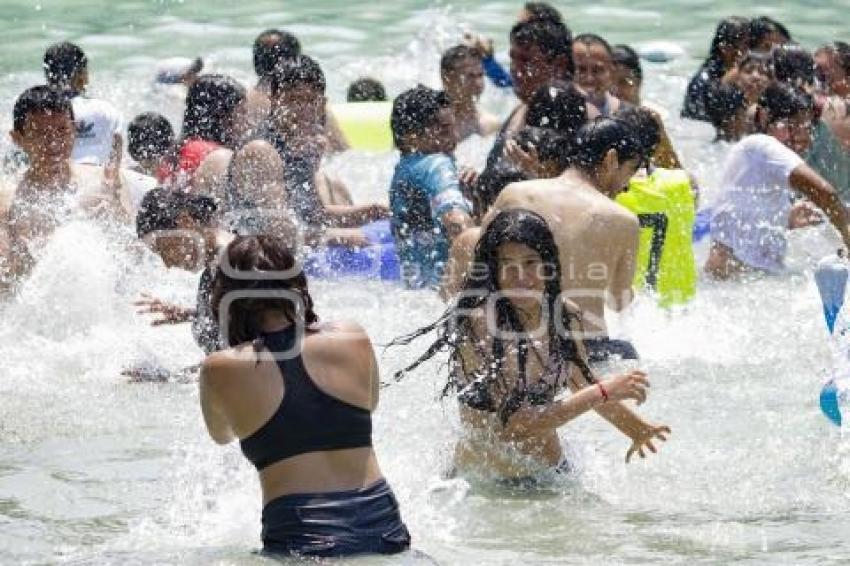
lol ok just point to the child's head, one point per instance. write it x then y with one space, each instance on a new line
767 33
594 62
422 121
753 76
271 48
297 89
793 65
461 73
628 75
731 41
727 109
149 138
43 124
366 89
785 113
66 67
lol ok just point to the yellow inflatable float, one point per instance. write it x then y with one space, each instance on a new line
365 125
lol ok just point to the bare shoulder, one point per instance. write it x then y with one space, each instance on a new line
224 364
339 339
523 193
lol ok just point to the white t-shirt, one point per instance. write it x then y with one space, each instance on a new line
751 216
96 121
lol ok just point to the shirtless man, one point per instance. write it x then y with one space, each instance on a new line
597 238
53 188
463 82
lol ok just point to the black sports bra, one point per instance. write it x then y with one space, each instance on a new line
308 419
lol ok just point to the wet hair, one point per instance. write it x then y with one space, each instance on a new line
842 55
454 55
62 61
366 89
455 327
589 39
414 110
754 58
259 255
39 99
160 209
554 39
558 105
595 139
729 32
763 26
793 65
644 124
272 47
543 12
723 103
551 145
209 105
149 136
298 71
627 57
781 101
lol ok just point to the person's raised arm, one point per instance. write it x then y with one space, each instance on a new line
804 179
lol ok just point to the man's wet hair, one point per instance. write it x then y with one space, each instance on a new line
723 103
160 209
756 58
366 89
595 139
454 55
414 110
272 47
763 26
627 57
298 71
62 61
644 125
552 38
781 101
36 99
558 105
550 145
793 65
593 39
543 12
210 103
149 136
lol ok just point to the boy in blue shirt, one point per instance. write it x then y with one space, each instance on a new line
427 204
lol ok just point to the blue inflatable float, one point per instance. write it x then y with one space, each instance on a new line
831 278
377 261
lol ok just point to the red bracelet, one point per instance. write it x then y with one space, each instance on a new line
602 390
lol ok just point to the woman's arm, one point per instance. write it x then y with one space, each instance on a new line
804 179
211 382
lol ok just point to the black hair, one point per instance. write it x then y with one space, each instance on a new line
551 145
763 26
543 12
558 105
593 39
62 61
627 57
260 255
149 136
723 103
645 126
760 59
455 327
366 89
842 54
729 32
554 39
595 139
793 65
272 47
454 55
209 107
39 99
414 110
160 209
781 101
300 70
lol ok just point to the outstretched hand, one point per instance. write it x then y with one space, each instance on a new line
169 313
644 440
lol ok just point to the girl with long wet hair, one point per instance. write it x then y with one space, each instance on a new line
513 344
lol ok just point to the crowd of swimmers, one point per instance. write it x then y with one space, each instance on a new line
583 201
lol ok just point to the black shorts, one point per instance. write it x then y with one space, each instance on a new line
341 523
603 349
